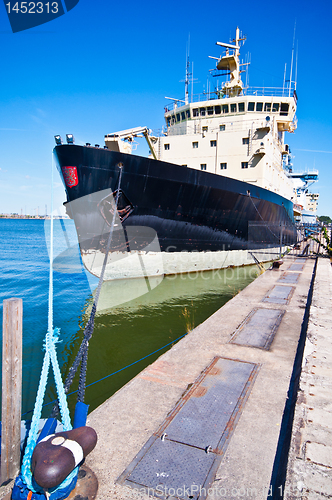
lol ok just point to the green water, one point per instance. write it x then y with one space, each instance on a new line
130 323
126 333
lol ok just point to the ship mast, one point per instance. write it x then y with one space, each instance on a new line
188 74
186 82
231 63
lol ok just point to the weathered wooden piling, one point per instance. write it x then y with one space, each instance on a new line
11 388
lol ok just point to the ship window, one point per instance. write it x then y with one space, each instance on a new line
245 140
203 166
275 107
205 128
267 107
217 110
210 110
222 128
223 166
183 115
195 145
225 108
213 144
284 108
233 108
259 106
202 111
188 113
195 112
244 164
166 147
168 121
177 117
173 119
241 107
251 106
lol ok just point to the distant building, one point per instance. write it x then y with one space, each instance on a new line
312 201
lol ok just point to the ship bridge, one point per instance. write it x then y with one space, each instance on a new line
251 104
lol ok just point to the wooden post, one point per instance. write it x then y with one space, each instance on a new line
11 388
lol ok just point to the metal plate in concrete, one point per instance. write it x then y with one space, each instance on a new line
206 413
180 460
279 294
289 278
296 267
259 328
171 469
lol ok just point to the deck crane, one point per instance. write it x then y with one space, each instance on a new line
115 141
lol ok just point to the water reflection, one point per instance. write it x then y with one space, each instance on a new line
126 331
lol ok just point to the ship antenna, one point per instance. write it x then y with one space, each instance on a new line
291 70
186 82
284 82
297 50
247 63
192 81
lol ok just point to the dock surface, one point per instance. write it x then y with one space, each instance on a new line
145 445
211 418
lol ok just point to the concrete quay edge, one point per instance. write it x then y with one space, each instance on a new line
309 471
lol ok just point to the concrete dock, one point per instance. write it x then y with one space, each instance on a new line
212 417
251 460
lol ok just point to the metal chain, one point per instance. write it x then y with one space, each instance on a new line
82 355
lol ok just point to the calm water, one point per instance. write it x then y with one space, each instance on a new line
123 334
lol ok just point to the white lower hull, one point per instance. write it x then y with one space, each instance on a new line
157 264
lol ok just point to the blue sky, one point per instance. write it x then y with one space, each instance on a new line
104 67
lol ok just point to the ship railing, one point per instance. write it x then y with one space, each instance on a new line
306 229
159 132
246 91
306 174
269 91
188 127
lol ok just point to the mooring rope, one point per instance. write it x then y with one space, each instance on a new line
118 371
267 223
50 358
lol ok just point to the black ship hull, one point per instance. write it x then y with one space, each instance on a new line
189 210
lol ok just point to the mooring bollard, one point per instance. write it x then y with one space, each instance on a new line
11 388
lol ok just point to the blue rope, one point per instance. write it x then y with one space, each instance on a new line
50 357
118 371
135 362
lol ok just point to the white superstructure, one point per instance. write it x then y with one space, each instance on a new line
236 132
